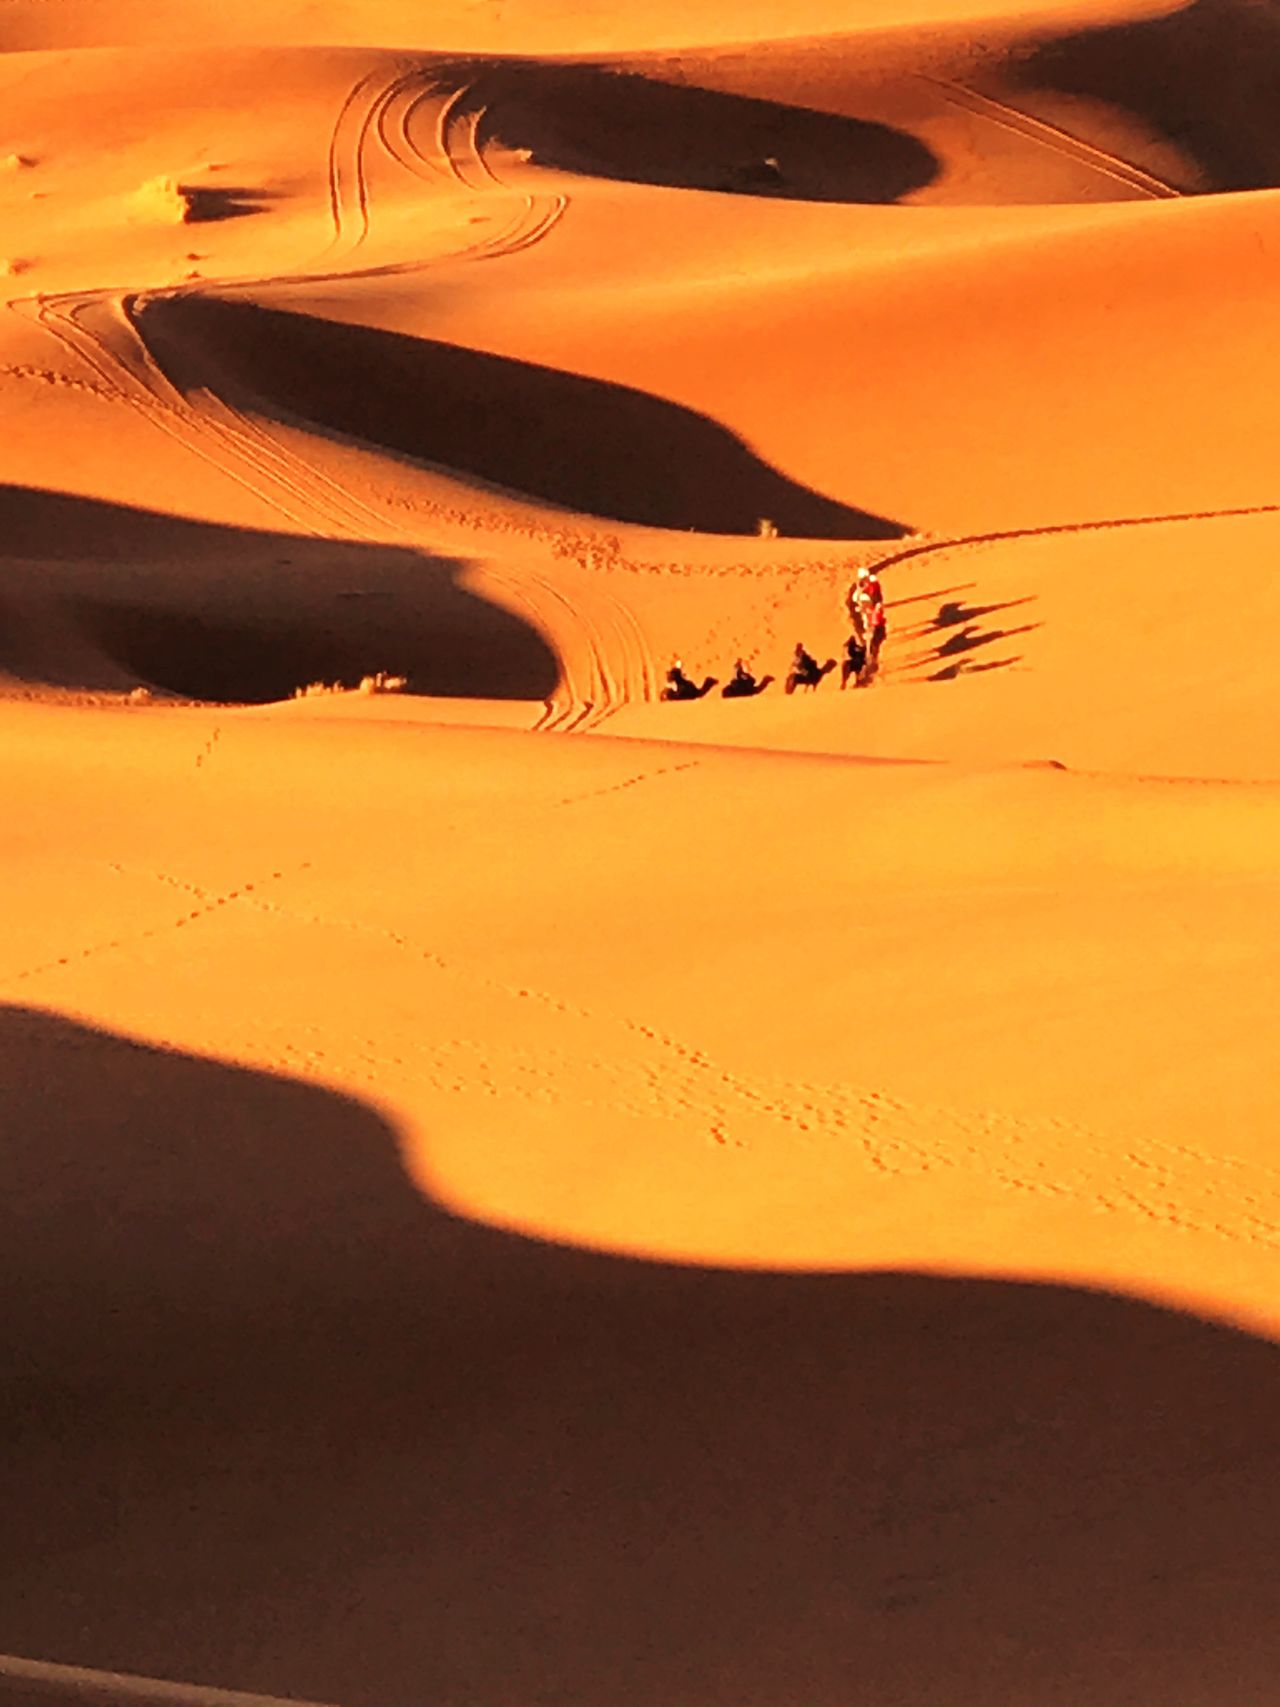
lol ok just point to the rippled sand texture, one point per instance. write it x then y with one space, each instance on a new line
520 1192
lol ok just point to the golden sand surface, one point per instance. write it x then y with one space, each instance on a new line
520 1192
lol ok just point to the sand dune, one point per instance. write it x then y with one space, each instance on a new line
569 26
579 444
773 1201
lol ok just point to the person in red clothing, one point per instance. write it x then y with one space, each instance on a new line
875 636
863 596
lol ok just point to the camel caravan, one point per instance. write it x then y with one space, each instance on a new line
859 663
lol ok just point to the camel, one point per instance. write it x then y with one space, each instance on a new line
680 687
855 663
808 674
742 684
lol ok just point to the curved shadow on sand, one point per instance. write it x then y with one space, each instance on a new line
1205 77
581 444
225 613
603 123
271 1420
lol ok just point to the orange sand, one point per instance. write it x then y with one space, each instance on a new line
520 1192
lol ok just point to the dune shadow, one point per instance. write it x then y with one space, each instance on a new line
272 1420
605 123
225 613
581 444
1205 77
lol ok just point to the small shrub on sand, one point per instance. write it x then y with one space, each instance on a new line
380 682
140 696
165 199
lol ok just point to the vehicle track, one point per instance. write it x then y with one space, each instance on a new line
1051 136
604 659
137 383
961 542
310 500
313 502
589 685
359 116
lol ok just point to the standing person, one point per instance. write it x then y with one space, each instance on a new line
854 605
878 627
864 595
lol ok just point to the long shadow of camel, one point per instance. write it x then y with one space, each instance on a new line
581 444
226 613
272 1420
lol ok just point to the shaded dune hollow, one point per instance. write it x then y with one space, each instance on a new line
1206 77
249 617
580 444
606 123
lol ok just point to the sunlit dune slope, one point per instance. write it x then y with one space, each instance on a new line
1103 649
533 26
738 1007
1085 368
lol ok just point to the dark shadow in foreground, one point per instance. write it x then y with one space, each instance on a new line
581 444
97 595
272 1420
603 123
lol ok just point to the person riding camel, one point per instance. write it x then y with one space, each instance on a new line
854 661
804 667
877 633
741 684
806 671
678 684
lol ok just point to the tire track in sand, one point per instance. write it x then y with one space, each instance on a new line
102 331
928 547
1050 136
